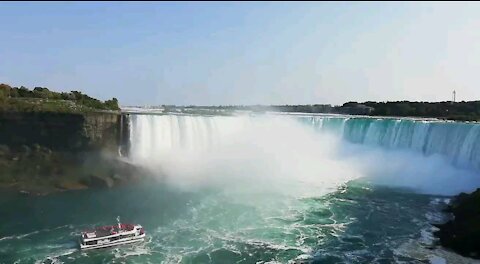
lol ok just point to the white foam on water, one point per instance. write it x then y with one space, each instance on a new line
132 250
437 260
263 161
407 169
21 236
7 238
414 250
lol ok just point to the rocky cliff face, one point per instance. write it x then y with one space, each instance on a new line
462 233
46 151
62 131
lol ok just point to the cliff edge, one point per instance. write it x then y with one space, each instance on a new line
53 141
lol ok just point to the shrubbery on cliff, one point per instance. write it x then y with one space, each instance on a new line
42 99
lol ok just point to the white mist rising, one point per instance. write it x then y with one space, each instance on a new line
278 154
258 154
407 169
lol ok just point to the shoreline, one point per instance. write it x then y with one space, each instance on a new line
90 172
461 234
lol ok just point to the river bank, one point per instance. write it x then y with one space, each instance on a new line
41 172
462 233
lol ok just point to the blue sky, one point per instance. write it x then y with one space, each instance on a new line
244 53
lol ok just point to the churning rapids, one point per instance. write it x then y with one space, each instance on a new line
264 189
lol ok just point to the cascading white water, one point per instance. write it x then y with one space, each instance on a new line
273 152
310 152
160 135
459 142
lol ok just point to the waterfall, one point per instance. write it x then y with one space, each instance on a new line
459 142
162 134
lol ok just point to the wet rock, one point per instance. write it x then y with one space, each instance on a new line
100 182
36 148
4 151
462 234
64 185
23 192
25 150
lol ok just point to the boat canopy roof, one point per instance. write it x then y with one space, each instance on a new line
108 230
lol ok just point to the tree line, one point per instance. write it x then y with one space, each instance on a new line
462 111
8 92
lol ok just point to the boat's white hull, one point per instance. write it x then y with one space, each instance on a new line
114 243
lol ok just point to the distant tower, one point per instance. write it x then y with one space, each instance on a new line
454 94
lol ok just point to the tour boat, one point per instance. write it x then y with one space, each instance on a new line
108 236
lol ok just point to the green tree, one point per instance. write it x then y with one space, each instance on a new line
112 104
4 92
41 92
24 92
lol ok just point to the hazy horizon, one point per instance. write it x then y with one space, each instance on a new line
244 53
